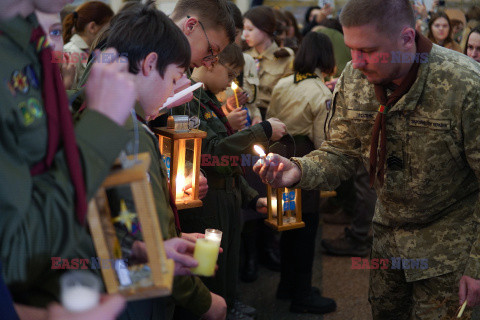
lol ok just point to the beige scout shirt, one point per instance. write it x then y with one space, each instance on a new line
78 53
430 195
270 70
302 106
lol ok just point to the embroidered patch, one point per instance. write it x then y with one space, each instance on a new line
361 115
31 76
435 124
207 115
30 110
20 82
302 76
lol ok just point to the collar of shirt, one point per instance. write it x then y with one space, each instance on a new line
78 41
267 54
19 29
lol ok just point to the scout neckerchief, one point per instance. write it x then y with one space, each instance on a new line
173 205
303 76
379 128
219 113
59 121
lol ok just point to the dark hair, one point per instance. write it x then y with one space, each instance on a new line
214 14
236 14
474 30
232 55
316 51
95 11
473 13
262 18
141 29
332 23
307 14
293 22
390 16
435 17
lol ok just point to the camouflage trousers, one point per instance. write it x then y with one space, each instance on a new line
392 297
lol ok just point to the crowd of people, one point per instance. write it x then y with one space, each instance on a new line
381 99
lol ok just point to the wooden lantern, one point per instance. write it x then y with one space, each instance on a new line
284 208
158 270
181 151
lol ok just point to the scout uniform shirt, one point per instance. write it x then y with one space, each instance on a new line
429 198
301 102
37 218
78 52
270 69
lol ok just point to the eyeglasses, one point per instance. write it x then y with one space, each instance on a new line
212 57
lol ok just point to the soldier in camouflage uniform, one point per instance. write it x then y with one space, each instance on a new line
427 205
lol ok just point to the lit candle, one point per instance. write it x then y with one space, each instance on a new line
206 253
259 150
213 235
80 291
180 184
234 88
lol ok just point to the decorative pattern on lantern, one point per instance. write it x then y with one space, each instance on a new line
284 208
134 280
181 149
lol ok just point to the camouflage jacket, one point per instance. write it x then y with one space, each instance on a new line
430 195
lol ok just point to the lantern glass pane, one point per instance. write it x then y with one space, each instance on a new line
131 272
166 150
185 170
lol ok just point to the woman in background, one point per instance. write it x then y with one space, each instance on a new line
80 29
472 49
440 31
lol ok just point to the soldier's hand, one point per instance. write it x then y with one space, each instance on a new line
469 289
108 309
110 88
218 308
279 129
237 119
181 251
277 171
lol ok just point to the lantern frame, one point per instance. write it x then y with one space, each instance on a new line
105 239
177 152
278 223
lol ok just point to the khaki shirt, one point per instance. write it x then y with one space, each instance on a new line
270 70
430 194
302 106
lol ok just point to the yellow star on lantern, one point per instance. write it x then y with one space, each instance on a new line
125 217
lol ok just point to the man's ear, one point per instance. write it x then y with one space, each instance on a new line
408 38
189 25
149 64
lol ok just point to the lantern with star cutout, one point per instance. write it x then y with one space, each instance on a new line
148 279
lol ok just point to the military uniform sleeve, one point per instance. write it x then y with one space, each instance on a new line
471 132
318 127
37 219
190 293
338 156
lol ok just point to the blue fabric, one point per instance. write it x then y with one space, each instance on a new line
7 311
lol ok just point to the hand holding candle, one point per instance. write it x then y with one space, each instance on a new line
206 253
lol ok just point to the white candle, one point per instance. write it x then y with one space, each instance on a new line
213 235
80 298
180 184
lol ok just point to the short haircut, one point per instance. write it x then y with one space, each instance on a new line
316 51
435 17
262 18
232 55
236 14
141 29
214 14
389 16
474 30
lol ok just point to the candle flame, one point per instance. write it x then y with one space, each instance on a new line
180 184
259 150
234 86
